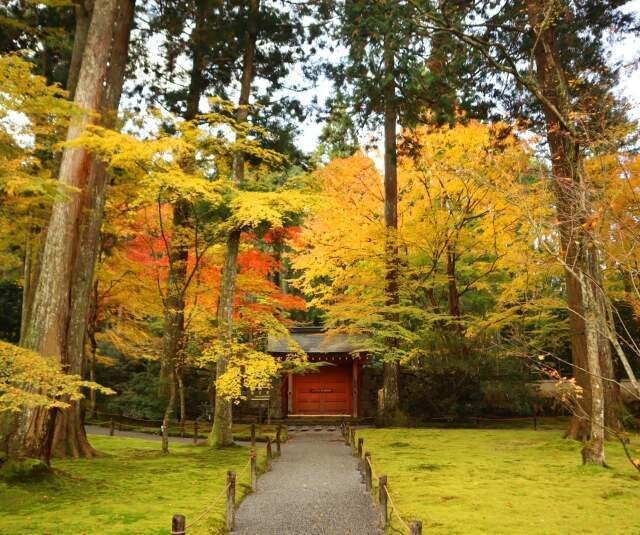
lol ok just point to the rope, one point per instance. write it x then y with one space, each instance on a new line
373 472
247 467
394 509
208 509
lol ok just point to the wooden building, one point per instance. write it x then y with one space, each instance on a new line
334 387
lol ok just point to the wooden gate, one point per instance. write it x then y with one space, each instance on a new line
326 392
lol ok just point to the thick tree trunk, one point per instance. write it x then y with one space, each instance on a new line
580 255
70 437
47 331
593 451
221 432
391 368
83 10
92 327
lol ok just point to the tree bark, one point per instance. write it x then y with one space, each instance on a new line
391 367
83 10
47 331
181 397
593 451
221 432
70 437
168 412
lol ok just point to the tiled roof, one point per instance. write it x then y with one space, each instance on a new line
318 342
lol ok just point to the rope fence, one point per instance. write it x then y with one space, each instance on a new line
179 524
188 429
388 507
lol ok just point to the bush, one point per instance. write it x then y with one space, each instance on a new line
472 387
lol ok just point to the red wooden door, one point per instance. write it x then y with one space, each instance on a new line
325 392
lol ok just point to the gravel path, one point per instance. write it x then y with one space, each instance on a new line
313 489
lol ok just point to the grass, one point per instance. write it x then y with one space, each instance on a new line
133 489
504 481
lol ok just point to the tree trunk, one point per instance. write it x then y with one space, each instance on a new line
593 451
168 413
452 286
221 432
174 303
83 10
47 331
92 327
572 203
174 300
181 398
70 437
391 368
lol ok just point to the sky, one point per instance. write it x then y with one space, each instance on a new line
310 130
628 52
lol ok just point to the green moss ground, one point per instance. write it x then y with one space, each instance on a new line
505 481
133 489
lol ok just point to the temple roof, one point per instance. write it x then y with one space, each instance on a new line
316 341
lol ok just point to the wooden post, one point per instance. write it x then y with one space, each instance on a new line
195 432
278 431
352 439
354 387
178 525
269 411
347 434
254 470
416 527
253 435
269 453
382 497
360 447
231 499
113 428
367 471
290 393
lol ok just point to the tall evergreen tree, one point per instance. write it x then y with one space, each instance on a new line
391 82
555 52
56 324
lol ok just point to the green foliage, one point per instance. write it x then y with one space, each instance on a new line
137 384
463 387
42 32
